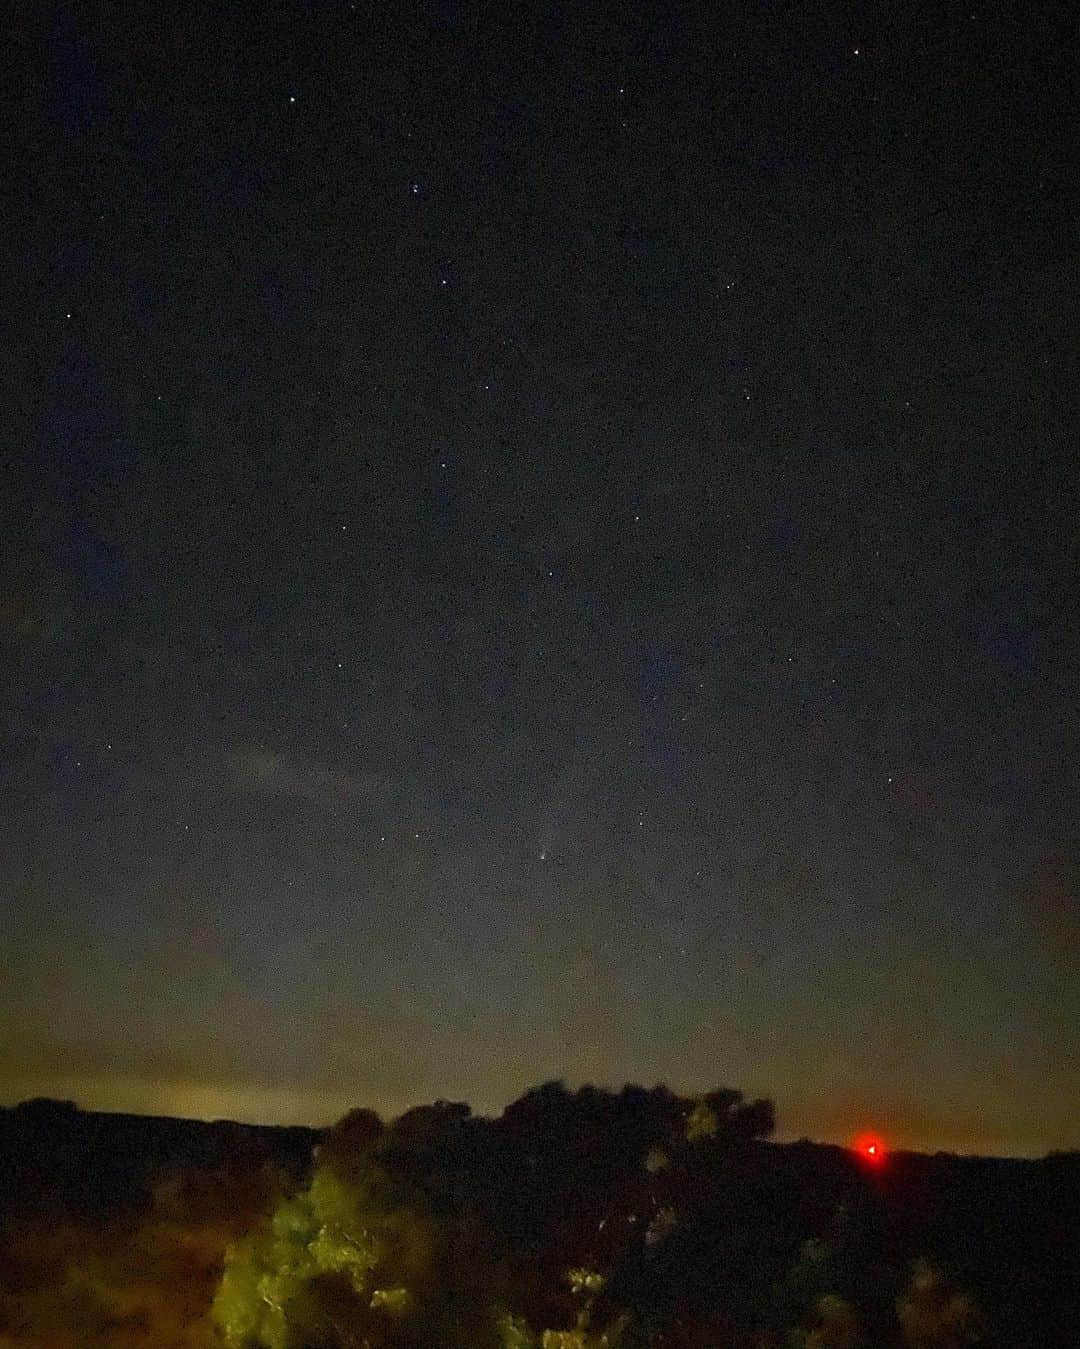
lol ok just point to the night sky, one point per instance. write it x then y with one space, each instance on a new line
540 540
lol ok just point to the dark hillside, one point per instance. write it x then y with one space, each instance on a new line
59 1158
630 1219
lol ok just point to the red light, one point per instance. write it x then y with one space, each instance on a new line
871 1149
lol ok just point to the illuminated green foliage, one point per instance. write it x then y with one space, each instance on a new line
702 1123
935 1315
514 1333
266 1297
441 1229
582 1338
585 1280
393 1301
656 1160
836 1325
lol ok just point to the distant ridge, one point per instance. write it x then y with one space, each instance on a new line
54 1153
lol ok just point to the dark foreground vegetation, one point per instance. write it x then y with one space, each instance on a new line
575 1220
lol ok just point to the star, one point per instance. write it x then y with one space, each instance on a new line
190 601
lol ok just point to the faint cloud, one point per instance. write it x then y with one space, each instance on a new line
265 772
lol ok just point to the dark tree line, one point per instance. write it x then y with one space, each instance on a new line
636 1219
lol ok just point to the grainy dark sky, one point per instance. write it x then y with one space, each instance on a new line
541 540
